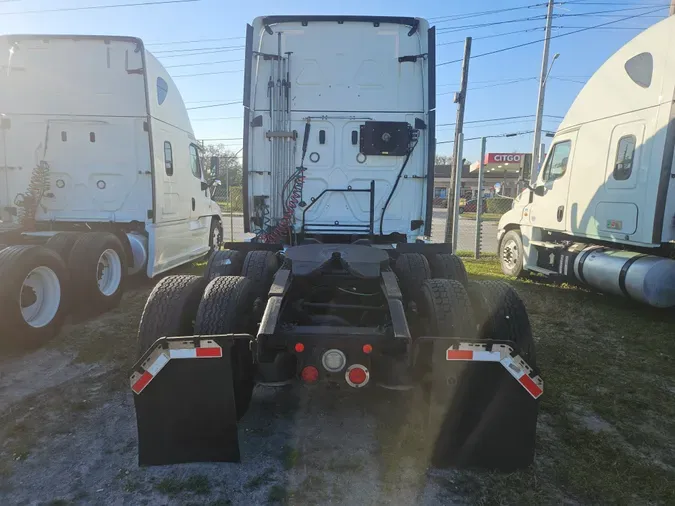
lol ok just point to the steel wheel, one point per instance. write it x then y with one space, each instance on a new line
40 297
109 272
510 254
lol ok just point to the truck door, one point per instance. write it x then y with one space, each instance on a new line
200 220
549 207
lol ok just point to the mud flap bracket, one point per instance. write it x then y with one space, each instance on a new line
185 401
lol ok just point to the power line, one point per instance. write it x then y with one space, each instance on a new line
603 27
538 29
202 63
174 42
209 73
197 49
230 139
97 7
514 134
217 119
501 119
162 56
444 19
451 29
552 37
214 105
583 2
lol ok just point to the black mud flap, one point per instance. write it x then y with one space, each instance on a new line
185 401
483 402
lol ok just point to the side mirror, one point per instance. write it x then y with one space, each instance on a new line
216 182
540 191
205 186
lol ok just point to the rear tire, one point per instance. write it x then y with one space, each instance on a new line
98 268
33 294
445 309
502 316
259 267
62 243
224 263
412 270
225 309
170 310
449 266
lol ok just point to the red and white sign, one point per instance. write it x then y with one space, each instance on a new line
504 158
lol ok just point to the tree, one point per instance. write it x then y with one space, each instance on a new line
443 160
228 164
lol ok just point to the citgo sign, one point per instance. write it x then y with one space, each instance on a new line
505 157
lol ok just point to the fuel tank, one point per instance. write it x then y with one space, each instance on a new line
646 278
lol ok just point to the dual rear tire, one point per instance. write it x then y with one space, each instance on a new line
41 284
192 305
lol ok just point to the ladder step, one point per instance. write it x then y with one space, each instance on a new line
541 270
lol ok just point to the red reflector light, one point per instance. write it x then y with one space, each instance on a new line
299 347
310 374
357 376
367 349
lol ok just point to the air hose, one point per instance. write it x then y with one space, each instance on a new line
291 203
398 179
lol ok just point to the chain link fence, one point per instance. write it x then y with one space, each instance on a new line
492 210
231 202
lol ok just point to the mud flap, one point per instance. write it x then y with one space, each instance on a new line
185 401
483 404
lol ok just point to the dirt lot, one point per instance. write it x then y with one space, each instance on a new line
606 429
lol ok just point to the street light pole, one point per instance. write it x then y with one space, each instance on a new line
542 93
456 166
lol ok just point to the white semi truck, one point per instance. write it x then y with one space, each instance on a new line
602 209
100 177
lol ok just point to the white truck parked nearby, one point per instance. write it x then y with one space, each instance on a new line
602 210
100 177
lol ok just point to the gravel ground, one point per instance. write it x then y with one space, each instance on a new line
68 436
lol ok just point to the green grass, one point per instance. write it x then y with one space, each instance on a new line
289 457
196 484
277 494
483 216
226 207
606 431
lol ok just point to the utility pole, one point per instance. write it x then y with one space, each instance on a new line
456 167
542 94
672 7
479 199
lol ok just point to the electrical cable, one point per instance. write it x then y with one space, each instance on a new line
398 179
175 42
201 63
209 73
214 105
551 37
97 7
456 17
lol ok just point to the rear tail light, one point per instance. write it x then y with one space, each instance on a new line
357 376
299 347
310 374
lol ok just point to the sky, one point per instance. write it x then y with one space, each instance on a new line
500 85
